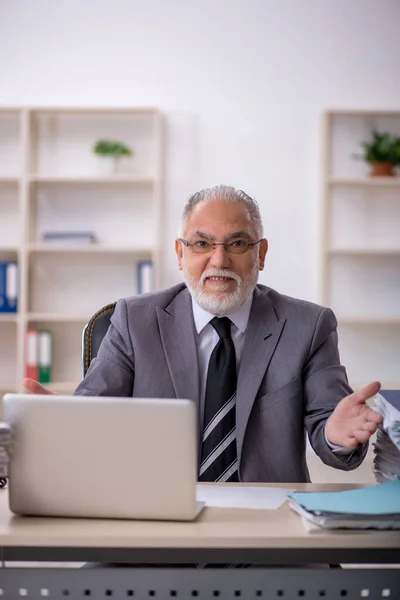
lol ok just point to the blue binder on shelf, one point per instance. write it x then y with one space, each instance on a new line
144 277
8 286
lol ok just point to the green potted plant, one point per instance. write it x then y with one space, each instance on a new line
110 152
382 153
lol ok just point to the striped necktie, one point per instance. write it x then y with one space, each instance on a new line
219 454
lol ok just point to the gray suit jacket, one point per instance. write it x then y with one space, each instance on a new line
289 381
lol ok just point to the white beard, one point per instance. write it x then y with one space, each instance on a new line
230 301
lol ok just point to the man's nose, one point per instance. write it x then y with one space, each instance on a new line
219 258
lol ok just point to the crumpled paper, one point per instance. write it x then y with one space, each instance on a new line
386 464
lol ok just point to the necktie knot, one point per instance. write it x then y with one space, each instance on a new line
222 326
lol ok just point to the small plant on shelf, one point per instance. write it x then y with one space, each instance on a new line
382 153
110 152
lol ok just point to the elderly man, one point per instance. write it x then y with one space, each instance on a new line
263 368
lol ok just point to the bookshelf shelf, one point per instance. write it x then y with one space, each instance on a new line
395 321
9 318
57 318
52 182
9 181
142 111
9 249
360 247
71 180
373 182
62 387
365 252
7 386
53 248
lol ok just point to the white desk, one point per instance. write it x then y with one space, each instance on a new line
218 536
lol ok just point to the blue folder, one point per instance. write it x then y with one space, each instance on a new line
383 499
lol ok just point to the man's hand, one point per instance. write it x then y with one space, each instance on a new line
34 387
353 421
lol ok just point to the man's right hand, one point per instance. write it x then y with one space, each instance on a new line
34 387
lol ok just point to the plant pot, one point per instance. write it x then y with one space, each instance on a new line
381 169
108 165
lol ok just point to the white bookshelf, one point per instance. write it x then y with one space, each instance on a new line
360 248
50 180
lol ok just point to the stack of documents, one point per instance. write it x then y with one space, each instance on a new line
5 440
387 446
376 507
387 459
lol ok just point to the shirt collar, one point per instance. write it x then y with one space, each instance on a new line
239 317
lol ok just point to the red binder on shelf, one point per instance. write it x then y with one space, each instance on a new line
32 354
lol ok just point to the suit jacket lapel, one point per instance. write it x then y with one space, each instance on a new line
262 335
178 333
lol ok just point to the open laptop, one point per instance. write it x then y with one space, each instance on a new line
78 456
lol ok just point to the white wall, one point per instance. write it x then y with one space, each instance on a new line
242 84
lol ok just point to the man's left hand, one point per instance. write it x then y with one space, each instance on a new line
353 421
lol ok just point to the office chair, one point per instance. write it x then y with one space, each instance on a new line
93 334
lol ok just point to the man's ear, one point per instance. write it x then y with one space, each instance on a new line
263 252
179 252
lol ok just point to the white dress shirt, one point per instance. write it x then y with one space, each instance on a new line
207 338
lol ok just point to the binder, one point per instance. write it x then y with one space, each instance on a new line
145 277
45 355
3 307
32 352
8 286
374 507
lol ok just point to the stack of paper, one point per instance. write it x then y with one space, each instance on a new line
387 446
241 496
376 507
5 440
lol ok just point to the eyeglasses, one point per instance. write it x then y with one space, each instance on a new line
235 247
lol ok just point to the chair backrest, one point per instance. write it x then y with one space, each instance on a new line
94 333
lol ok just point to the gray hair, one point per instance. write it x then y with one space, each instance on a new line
229 194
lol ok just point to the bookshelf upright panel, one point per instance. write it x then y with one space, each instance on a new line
10 144
11 240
